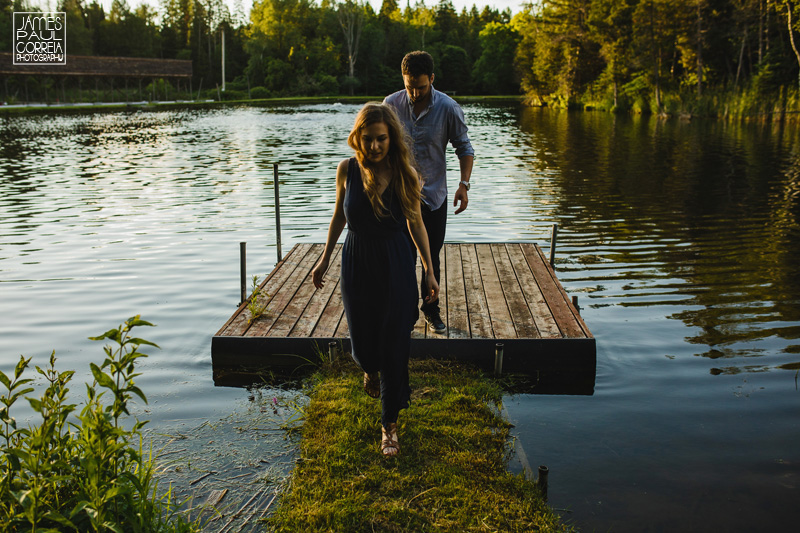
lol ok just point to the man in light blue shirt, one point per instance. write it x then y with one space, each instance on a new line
432 119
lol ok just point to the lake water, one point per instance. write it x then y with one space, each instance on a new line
680 238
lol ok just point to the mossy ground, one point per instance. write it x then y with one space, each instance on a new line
451 474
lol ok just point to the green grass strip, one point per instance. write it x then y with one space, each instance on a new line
451 474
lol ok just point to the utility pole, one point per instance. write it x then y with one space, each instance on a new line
223 58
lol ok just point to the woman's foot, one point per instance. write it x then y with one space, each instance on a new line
389 445
372 385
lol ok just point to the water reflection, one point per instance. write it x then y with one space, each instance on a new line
699 217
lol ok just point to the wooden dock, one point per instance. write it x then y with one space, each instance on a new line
490 293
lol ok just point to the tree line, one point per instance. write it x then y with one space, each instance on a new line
640 54
657 55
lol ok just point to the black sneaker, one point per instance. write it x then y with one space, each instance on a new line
435 323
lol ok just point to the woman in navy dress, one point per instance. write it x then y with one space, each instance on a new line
378 196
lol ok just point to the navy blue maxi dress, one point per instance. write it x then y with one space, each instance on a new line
379 291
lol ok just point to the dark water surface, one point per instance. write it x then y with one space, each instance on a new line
684 238
681 240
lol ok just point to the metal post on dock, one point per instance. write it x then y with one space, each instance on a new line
277 209
553 237
498 359
333 351
243 270
542 481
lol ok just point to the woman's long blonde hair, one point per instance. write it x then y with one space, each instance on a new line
404 181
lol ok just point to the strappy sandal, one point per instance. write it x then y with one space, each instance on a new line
389 445
372 385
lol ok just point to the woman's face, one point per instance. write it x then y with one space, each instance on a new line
375 142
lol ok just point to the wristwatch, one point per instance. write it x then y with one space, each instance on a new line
464 183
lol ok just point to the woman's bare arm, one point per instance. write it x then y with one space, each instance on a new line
335 228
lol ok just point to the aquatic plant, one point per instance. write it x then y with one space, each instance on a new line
257 308
88 472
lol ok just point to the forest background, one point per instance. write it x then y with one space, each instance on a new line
661 56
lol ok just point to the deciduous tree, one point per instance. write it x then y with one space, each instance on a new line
792 17
351 20
494 69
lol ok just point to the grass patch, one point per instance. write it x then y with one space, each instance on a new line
451 474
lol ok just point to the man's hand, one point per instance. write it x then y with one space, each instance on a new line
460 199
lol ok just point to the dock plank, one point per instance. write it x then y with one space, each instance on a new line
302 297
456 312
343 330
331 315
320 298
511 289
537 305
479 319
560 288
283 296
555 301
502 326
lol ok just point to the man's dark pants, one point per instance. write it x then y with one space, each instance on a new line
435 224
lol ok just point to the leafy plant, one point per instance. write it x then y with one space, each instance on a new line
256 307
89 473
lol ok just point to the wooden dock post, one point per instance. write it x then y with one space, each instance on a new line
333 351
553 237
542 480
498 359
277 209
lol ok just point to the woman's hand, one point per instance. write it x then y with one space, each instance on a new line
433 288
319 271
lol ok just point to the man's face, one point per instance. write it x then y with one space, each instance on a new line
418 87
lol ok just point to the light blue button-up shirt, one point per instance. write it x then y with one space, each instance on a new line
441 122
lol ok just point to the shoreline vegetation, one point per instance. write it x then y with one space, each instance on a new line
210 102
682 58
744 105
82 469
451 474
